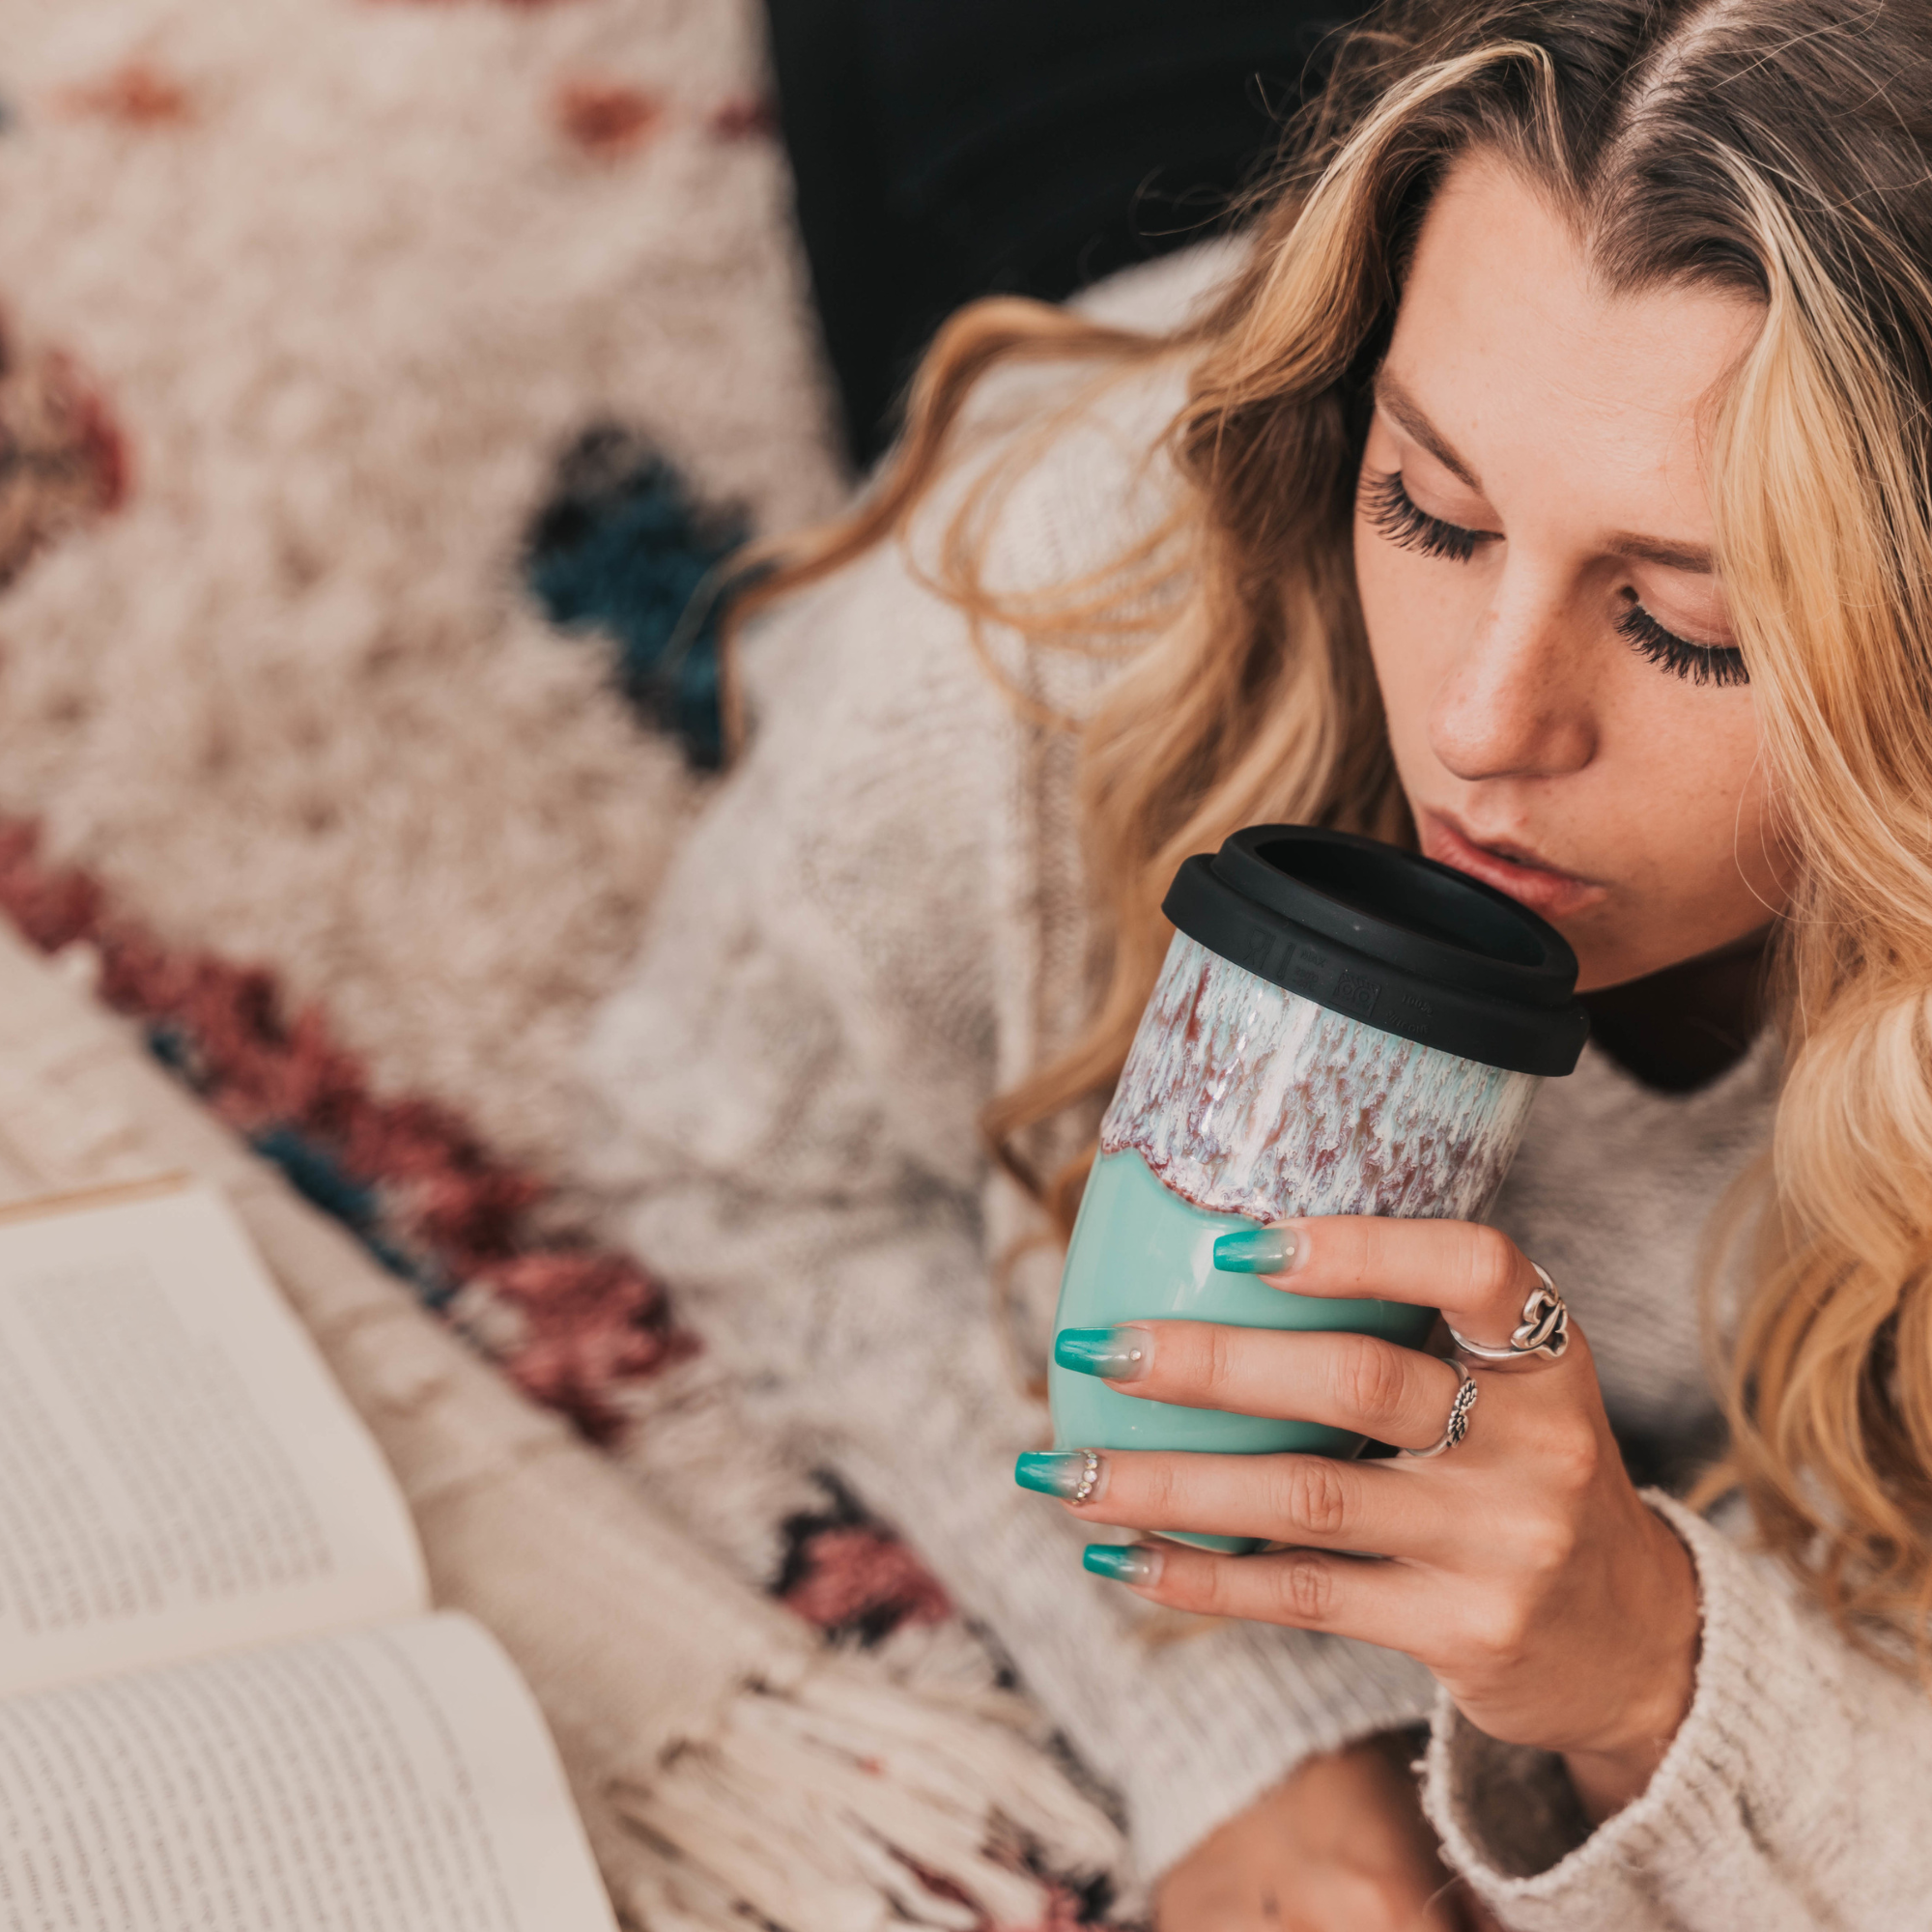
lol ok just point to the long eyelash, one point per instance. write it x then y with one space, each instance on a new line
1393 512
1701 663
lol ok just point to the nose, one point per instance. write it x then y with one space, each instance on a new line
1516 701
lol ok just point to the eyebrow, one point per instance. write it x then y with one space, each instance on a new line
1694 557
1391 397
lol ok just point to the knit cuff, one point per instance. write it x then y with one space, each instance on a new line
1695 1849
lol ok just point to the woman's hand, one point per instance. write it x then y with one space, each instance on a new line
1522 1568
1340 1846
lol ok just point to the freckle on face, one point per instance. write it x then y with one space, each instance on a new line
1516 708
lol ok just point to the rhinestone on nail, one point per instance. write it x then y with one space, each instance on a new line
1089 1476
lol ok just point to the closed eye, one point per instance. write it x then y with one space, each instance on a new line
1700 664
1392 510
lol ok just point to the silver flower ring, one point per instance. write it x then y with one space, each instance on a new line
1543 1331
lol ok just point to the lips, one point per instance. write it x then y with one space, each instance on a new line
1510 868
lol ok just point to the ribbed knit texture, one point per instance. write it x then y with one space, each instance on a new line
879 924
1793 1798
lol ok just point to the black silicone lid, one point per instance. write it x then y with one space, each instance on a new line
1396 941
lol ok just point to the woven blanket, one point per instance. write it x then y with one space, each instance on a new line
352 353
727 1763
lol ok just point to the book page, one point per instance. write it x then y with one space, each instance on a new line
179 1474
396 1780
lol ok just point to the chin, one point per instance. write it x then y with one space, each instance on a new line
1606 963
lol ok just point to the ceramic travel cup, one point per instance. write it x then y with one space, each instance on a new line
1339 1028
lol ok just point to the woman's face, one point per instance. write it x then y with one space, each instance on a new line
1566 704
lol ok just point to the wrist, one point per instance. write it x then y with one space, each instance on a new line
1615 1769
1605 1781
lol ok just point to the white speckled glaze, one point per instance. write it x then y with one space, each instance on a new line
1245 1099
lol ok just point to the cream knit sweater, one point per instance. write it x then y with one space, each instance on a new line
877 926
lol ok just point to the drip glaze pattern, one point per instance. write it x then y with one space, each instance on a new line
1245 1099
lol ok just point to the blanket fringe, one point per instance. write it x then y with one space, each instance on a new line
843 1805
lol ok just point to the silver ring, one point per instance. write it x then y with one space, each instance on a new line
1458 1425
1545 1329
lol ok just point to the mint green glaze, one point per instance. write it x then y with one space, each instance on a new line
1140 1253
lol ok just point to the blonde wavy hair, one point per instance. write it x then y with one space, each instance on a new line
1756 145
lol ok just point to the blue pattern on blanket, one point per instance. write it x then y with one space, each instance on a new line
624 548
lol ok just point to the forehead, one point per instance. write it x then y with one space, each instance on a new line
1507 331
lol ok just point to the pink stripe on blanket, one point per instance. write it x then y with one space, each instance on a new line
408 1175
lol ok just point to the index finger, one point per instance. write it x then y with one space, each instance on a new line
1478 1277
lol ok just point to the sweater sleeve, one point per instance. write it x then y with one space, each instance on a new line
791 1083
1796 1796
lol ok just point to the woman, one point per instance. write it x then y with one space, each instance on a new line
1550 487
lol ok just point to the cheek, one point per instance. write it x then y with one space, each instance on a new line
1676 815
1685 766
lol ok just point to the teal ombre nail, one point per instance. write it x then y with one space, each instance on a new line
1122 1562
1073 1475
1120 1355
1255 1251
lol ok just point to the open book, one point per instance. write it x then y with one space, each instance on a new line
224 1703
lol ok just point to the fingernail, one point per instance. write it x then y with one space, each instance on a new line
1257 1251
1073 1475
1119 1354
1123 1562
